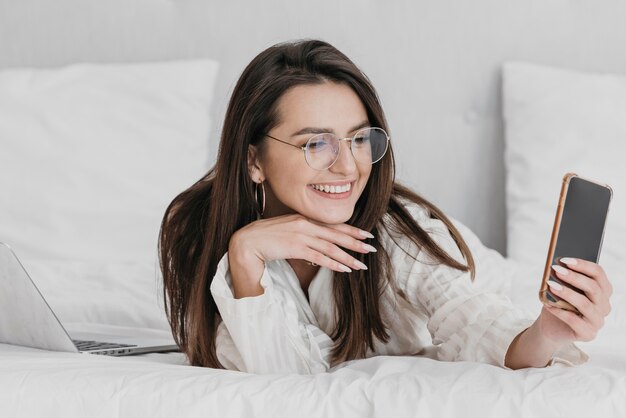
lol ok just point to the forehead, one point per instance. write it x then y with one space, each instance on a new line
326 105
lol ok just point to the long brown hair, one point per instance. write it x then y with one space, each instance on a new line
199 222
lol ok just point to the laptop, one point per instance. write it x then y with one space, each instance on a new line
26 319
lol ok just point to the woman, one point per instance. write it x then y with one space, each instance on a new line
298 251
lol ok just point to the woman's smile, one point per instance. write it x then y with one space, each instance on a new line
333 190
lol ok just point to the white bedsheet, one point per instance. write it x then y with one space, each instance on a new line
53 384
35 383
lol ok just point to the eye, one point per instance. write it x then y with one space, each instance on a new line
319 143
361 140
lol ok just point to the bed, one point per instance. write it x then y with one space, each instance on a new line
108 109
60 384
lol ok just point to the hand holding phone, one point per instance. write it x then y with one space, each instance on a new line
577 233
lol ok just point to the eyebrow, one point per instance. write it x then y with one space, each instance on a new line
312 130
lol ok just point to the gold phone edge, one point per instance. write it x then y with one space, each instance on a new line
555 232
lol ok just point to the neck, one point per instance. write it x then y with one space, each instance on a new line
304 271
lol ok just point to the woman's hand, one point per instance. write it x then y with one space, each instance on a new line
291 237
562 326
557 327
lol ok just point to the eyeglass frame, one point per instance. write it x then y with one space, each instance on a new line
348 138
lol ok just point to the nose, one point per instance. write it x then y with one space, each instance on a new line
345 164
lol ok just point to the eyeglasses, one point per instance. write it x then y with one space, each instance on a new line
321 151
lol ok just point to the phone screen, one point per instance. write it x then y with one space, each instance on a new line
582 224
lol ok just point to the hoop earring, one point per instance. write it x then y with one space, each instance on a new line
256 197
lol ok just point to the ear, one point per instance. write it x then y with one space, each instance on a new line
254 165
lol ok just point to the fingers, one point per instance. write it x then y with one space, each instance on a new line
325 261
344 235
598 295
589 269
350 230
593 305
344 240
591 287
324 244
581 302
336 254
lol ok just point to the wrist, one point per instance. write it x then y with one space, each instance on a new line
236 249
531 348
246 269
543 340
551 335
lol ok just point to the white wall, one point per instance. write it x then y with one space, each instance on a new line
435 65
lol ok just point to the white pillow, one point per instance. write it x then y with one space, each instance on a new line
91 155
113 293
560 121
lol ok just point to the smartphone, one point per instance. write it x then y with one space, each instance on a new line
578 230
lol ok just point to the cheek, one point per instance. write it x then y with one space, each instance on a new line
364 171
289 175
281 163
291 171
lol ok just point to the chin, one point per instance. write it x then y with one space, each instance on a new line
334 217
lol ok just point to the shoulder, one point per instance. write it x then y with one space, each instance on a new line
417 211
396 242
420 213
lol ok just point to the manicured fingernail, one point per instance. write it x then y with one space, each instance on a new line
345 268
560 270
570 261
366 234
554 285
369 248
360 265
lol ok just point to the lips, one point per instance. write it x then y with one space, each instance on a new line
339 190
332 188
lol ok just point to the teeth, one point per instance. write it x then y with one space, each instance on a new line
332 189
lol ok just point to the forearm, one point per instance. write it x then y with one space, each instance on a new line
530 349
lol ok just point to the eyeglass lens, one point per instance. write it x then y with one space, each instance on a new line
368 146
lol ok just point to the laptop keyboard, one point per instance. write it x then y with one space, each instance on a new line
84 345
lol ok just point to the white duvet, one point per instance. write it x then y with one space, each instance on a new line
52 384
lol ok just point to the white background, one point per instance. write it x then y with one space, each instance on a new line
435 64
